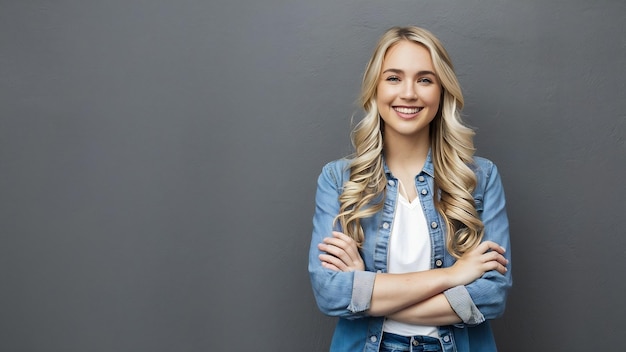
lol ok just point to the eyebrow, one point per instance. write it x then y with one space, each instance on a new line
420 73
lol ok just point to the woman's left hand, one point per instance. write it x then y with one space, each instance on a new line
341 253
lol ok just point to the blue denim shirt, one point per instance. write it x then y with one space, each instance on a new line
347 295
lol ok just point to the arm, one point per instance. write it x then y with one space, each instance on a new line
337 293
414 295
435 311
485 298
396 292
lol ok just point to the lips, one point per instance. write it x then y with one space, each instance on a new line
407 110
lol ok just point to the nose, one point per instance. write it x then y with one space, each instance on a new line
409 91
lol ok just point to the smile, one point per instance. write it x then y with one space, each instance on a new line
405 110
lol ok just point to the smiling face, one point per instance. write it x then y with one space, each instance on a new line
408 91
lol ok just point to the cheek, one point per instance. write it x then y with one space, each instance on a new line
380 97
434 97
383 94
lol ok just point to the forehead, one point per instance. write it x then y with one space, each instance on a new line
408 55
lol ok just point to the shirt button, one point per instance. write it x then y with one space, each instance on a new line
424 192
391 183
385 225
373 338
433 225
439 263
421 178
416 343
446 338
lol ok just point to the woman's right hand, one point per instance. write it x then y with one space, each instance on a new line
341 253
474 263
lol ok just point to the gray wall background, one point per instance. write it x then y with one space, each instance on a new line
158 163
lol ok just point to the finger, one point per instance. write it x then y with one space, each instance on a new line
349 241
335 251
500 268
498 263
335 248
495 257
490 245
349 248
345 240
332 261
342 236
336 242
500 258
330 266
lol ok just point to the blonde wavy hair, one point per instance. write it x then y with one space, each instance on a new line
452 151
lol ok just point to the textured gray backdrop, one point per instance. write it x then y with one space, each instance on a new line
158 163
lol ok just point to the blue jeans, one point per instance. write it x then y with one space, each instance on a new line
398 343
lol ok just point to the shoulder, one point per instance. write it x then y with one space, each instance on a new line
339 165
486 172
487 177
483 168
336 171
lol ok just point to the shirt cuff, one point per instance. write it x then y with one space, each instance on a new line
463 305
362 288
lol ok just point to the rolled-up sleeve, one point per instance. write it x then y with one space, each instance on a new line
485 298
463 305
343 294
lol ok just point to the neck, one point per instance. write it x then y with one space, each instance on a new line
406 155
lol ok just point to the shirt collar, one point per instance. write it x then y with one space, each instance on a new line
428 168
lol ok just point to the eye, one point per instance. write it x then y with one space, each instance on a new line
425 80
393 79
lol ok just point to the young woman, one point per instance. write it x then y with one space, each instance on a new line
410 245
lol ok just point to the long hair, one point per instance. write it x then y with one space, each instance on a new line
452 151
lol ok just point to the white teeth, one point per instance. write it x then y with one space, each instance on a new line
407 110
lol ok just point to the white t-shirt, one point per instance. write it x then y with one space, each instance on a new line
409 251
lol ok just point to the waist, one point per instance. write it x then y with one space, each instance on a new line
403 329
395 342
